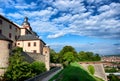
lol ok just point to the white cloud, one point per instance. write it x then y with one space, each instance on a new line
41 26
7 3
43 15
15 15
100 47
104 8
74 6
32 5
56 35
104 25
1 11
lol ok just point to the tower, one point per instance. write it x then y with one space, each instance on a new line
26 24
46 53
5 47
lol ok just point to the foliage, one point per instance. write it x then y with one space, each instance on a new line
88 56
65 58
53 56
17 50
38 67
112 77
91 69
68 57
110 70
74 72
64 51
18 69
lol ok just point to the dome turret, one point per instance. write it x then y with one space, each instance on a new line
26 24
26 21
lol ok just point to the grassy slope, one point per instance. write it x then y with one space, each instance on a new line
74 72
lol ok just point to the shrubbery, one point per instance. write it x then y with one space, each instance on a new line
91 69
38 67
19 69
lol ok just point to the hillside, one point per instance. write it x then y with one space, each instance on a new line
74 72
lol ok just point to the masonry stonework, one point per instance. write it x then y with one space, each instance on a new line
4 55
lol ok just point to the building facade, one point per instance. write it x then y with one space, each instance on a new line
13 35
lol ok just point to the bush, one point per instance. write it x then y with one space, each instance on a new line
38 67
111 70
91 69
113 77
18 69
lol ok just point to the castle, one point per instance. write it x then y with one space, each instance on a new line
13 35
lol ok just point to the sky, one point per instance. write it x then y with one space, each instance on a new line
87 25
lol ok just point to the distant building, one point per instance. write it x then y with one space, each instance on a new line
13 35
111 59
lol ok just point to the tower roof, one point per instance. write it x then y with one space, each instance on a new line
26 22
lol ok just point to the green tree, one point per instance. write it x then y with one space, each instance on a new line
91 69
97 57
112 77
18 69
38 67
65 50
53 56
88 56
82 56
68 58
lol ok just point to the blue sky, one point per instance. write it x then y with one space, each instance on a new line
87 25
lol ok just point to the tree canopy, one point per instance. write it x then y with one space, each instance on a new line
68 53
64 52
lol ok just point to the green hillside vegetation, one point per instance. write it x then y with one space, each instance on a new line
74 72
91 69
68 54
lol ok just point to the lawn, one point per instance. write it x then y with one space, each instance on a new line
74 72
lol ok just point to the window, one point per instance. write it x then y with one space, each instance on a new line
45 51
0 31
29 44
34 51
15 37
10 26
0 21
18 43
9 46
34 43
16 29
10 35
